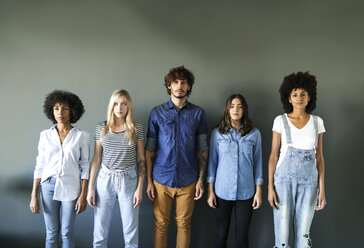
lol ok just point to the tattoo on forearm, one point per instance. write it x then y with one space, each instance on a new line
141 168
202 161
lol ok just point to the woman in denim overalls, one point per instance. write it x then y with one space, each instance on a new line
296 176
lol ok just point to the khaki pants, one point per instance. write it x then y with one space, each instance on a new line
165 197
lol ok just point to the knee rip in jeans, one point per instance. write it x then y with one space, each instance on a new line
309 241
283 245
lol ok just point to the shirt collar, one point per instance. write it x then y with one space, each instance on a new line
55 125
232 130
169 105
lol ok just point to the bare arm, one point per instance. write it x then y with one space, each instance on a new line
141 171
95 165
257 200
211 197
81 201
34 200
273 159
202 161
149 161
321 174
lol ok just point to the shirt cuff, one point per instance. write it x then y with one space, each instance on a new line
151 144
85 174
210 179
202 142
37 174
259 181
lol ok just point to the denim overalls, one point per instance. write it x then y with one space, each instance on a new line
295 183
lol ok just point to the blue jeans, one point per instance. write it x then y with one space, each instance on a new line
112 186
295 183
59 217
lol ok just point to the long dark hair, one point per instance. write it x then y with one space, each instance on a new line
225 122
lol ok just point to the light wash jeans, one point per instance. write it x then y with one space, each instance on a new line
295 183
59 217
112 186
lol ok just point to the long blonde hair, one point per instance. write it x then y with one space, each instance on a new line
130 125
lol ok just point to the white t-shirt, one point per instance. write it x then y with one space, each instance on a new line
303 138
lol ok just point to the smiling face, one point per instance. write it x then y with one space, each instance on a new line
299 98
236 110
62 113
179 88
120 107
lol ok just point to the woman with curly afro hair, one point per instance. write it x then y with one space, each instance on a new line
63 159
296 175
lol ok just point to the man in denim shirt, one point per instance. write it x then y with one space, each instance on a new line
176 153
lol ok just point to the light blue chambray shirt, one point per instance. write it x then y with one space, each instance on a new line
235 164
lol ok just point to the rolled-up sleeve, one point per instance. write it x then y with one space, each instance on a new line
152 133
40 157
84 163
202 133
258 168
213 158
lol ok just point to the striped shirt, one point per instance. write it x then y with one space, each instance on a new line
117 153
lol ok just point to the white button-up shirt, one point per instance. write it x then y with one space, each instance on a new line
67 162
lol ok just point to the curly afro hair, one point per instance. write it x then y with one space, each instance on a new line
65 97
299 80
180 73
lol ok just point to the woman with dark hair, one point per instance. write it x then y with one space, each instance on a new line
296 175
235 174
62 161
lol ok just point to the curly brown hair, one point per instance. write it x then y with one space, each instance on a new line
180 73
61 96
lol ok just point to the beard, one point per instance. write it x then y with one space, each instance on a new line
183 95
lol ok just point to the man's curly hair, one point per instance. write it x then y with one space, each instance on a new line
61 96
180 73
299 80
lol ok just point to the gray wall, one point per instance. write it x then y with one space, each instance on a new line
94 47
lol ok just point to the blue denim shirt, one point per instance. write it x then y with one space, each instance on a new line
176 135
235 164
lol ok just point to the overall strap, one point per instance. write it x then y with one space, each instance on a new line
287 129
315 123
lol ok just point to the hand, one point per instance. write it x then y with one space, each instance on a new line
34 205
137 199
150 191
80 204
199 190
211 199
272 198
91 199
321 203
257 201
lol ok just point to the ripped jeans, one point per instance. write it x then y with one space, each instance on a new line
295 183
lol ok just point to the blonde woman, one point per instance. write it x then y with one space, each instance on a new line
119 144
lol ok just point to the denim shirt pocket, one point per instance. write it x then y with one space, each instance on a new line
247 149
224 145
167 128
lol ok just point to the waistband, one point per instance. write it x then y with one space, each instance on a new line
116 170
297 150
